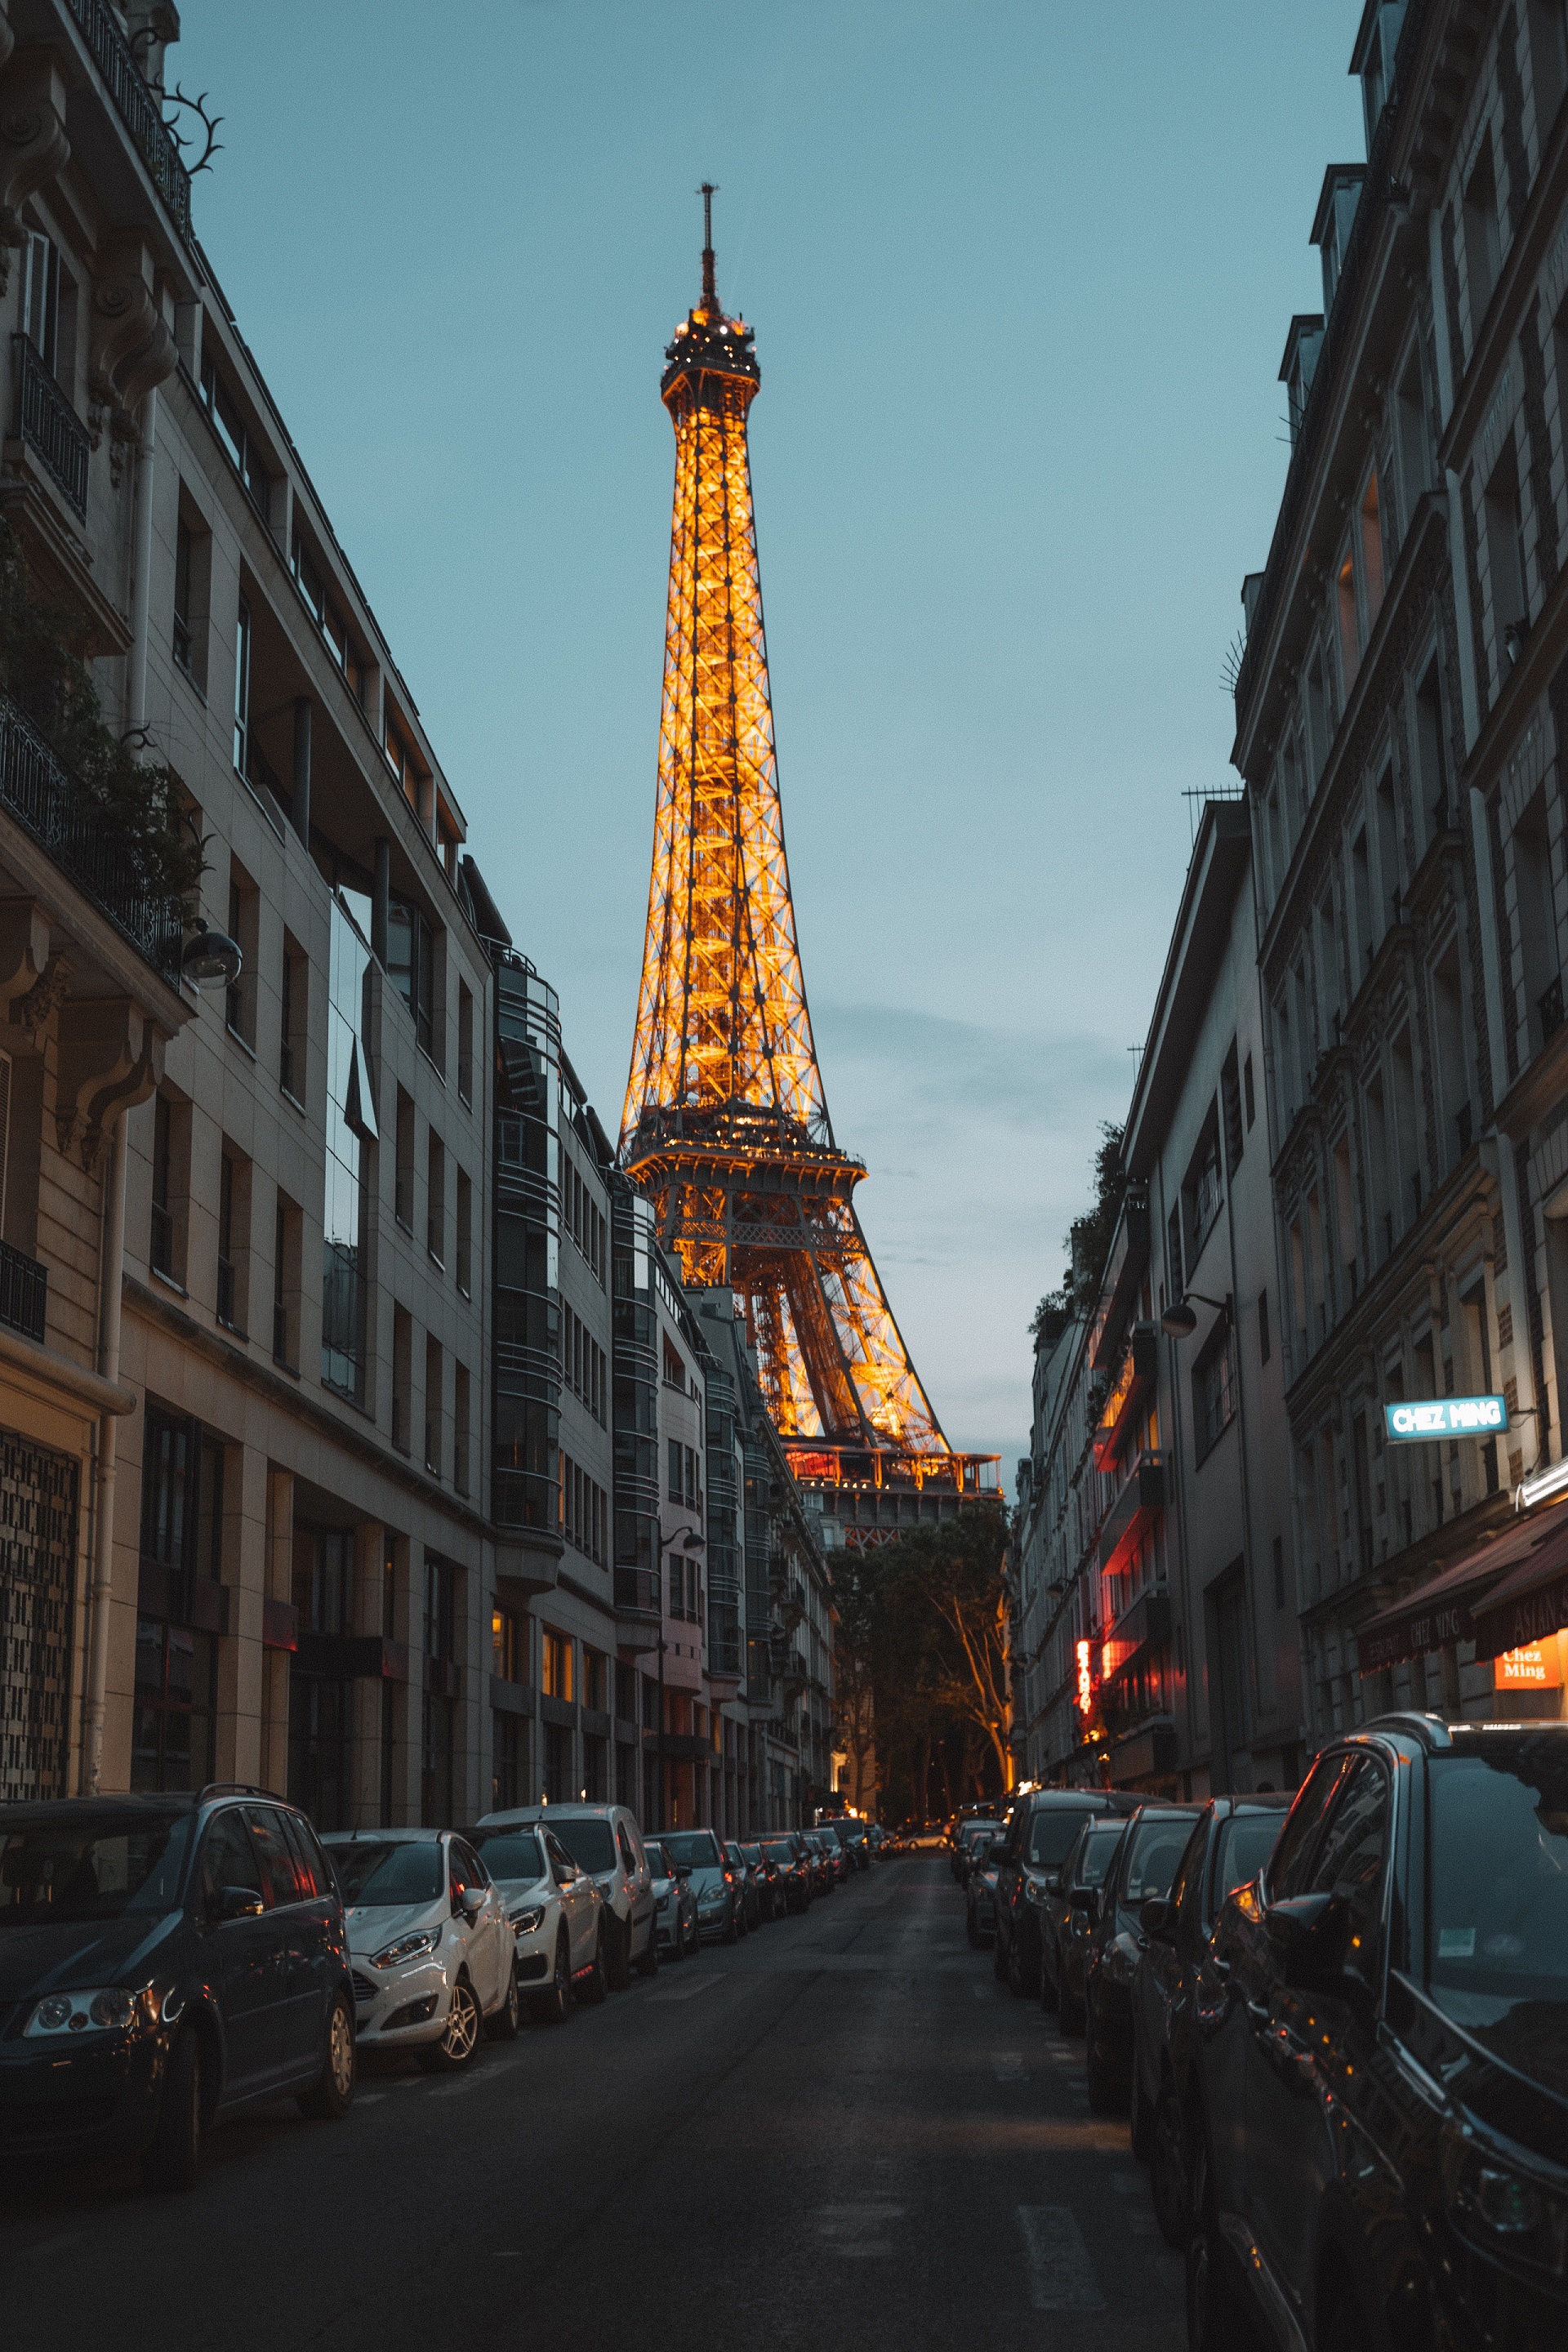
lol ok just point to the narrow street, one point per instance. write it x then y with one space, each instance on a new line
843 2134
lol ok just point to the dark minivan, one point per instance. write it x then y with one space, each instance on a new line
166 1962
1379 2155
1040 1831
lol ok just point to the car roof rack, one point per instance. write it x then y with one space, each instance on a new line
1430 1729
234 1789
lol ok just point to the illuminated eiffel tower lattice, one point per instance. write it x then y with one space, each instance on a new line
726 1126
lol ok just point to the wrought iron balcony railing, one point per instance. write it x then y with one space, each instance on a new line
137 106
1550 1010
39 791
23 1292
50 426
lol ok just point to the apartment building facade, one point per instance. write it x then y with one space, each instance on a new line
1398 711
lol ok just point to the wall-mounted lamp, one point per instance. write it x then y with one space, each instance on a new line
211 955
1179 1322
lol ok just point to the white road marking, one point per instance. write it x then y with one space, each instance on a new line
1062 2276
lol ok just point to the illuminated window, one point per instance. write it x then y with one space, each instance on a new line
557 1665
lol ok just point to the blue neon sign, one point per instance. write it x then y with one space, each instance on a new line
1473 1416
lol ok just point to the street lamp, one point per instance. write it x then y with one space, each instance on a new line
1179 1322
211 955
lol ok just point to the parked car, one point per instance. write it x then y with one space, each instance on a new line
432 1947
1074 1911
1041 1829
675 1903
1380 2149
833 1846
980 1890
1233 1840
166 1962
744 1879
555 1909
766 1881
1144 1864
698 1855
972 1838
605 1841
851 1836
796 1878
814 1859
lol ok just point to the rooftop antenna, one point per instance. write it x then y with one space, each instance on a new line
710 296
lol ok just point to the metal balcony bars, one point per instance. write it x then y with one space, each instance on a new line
137 105
24 1293
50 426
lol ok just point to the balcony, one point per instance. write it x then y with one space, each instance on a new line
24 1293
39 790
50 426
637 1594
136 106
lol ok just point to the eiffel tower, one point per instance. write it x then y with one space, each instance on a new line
726 1126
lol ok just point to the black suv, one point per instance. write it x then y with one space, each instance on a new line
1233 1840
1146 1861
1381 2045
1041 1829
165 1961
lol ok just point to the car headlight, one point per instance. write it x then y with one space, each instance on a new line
408 1948
663 1902
1507 2214
526 1922
111 2009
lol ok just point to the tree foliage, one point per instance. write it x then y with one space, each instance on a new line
136 807
922 1661
1088 1239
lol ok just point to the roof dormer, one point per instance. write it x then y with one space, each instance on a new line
1372 59
1302 346
1332 223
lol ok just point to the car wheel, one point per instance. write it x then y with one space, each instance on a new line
174 2160
331 2097
1168 2171
595 1986
1104 2097
1139 2116
553 2006
459 2042
1215 2319
502 2026
618 1958
1022 1982
648 1964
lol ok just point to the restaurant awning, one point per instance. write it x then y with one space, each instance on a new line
1530 1604
1448 1609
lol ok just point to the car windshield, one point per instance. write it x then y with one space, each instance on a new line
380 1872
1500 1876
590 1844
753 1854
1051 1833
1158 1842
692 1849
93 1866
1096 1854
510 1853
780 1853
1246 1843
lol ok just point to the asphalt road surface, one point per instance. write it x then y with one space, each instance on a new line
842 2135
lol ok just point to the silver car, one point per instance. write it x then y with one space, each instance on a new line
675 1904
606 1842
555 1910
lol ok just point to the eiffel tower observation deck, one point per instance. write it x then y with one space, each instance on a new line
726 1126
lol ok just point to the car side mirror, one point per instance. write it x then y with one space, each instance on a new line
1310 1936
1053 1882
237 1903
683 1872
1158 1920
470 1902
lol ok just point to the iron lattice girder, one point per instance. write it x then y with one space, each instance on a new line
726 1122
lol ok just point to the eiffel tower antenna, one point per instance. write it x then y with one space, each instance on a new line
725 1126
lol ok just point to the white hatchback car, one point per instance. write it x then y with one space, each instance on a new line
556 1912
430 1944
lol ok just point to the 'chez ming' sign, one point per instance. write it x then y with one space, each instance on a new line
1471 1416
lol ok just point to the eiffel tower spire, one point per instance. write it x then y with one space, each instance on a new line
726 1123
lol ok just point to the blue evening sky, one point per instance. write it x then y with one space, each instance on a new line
1021 273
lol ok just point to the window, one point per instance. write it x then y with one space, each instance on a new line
161 1247
326 616
465 1042
233 1220
1174 1256
674 1369
461 1428
1410 430
509 1644
285 1283
434 1383
506 1767
351 1136
244 921
1505 559
1431 766
238 444
596 1680
439 1714
1230 1098
296 974
1350 1862
41 297
183 566
1201 1192
1481 235
1247 1092
1286 1870
411 967
401 1376
465 1234
242 690
436 1199
557 1658
402 1202
176 1661
1548 62
1278 1571
1371 552
1263 1337
1214 1391
584 1512
675 1483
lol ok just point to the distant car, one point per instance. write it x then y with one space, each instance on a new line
1232 1841
827 1839
432 1946
700 1855
675 1903
1041 1829
605 1840
142 1975
972 1837
1145 1863
744 1878
555 1909
796 1876
1380 2141
980 1890
1083 1877
851 1836
765 1883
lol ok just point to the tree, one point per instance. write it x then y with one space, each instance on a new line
1087 1240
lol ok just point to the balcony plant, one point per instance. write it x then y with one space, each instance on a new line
136 806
